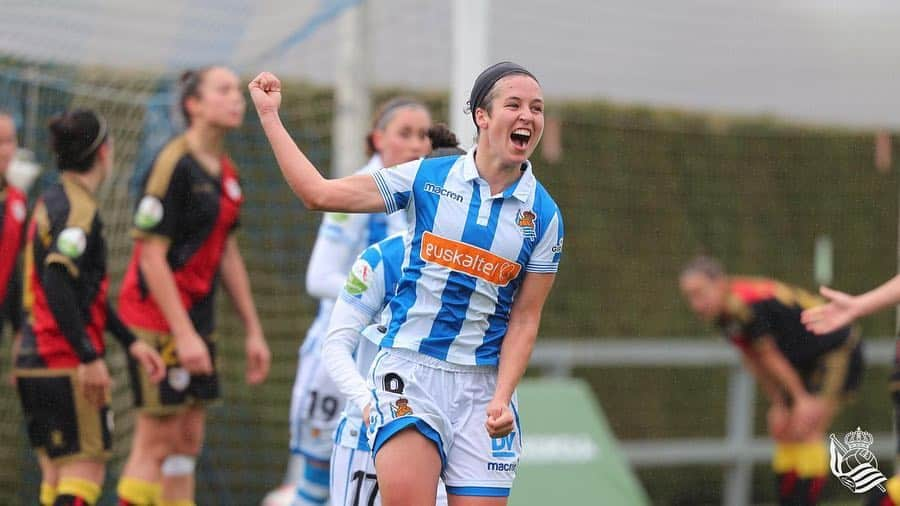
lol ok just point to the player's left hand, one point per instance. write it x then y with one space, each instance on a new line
258 359
149 360
500 420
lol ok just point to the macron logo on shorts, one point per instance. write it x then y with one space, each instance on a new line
468 259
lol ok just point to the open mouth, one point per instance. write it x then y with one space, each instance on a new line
520 137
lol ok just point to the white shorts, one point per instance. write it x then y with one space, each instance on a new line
316 406
447 403
353 479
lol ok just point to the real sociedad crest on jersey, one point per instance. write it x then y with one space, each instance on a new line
854 464
526 219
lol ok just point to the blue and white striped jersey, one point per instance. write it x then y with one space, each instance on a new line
467 252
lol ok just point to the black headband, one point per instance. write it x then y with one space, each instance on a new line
488 77
101 136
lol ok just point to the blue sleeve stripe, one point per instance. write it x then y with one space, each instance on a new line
479 491
542 270
390 205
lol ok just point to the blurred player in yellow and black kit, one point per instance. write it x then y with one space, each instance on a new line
184 240
12 231
61 377
806 377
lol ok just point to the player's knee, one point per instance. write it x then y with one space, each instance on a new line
154 449
190 441
189 445
190 438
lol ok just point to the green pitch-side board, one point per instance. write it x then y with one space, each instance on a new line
570 456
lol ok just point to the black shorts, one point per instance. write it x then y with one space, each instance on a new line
60 421
178 390
838 373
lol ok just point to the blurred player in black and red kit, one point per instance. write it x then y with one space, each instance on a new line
184 226
843 309
806 377
12 230
62 380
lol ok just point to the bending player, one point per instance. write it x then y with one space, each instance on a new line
370 286
398 135
484 241
184 240
805 377
843 309
61 376
12 231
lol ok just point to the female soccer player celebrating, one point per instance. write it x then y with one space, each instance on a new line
398 135
61 377
183 229
484 240
12 230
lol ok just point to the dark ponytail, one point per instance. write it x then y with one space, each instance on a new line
443 142
75 137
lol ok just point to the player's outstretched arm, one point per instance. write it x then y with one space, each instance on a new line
842 309
515 352
353 194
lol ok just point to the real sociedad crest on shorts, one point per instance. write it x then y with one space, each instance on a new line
526 219
854 464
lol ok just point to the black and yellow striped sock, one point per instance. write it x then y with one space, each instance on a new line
784 466
135 492
76 492
812 468
48 494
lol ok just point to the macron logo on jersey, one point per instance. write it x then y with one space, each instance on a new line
468 259
438 190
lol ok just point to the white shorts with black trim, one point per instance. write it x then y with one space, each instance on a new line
446 403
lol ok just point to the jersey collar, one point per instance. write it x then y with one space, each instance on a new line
520 190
